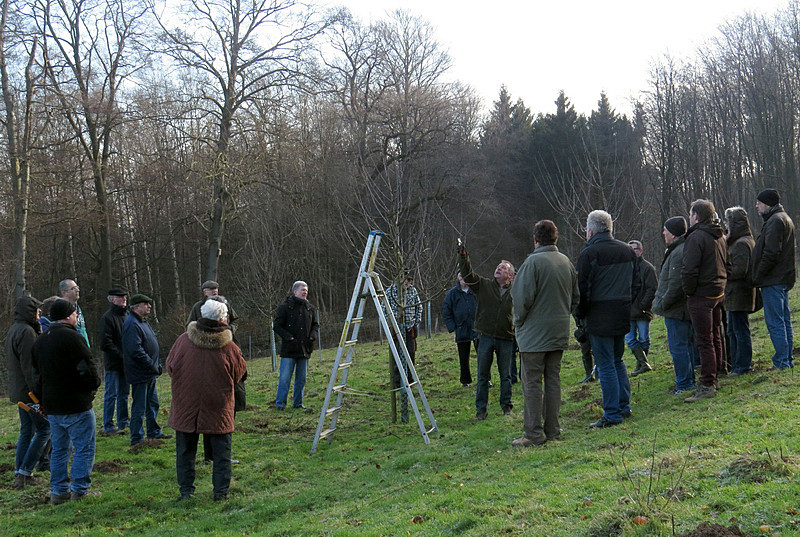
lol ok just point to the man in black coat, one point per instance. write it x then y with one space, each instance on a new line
638 339
607 282
109 332
773 271
458 311
296 324
65 381
33 433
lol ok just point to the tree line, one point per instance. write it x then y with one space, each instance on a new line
156 144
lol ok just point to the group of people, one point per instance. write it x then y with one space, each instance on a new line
714 274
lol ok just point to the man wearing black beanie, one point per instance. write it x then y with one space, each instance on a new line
773 271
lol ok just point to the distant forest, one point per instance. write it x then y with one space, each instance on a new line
156 144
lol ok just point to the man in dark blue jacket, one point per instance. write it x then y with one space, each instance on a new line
458 311
142 367
607 282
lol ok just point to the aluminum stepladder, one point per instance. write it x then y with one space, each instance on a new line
368 286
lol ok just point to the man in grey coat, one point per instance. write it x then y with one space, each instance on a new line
773 271
545 294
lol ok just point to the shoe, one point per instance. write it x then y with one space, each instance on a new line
507 411
76 496
185 496
466 384
220 497
21 481
527 442
602 423
676 391
111 432
627 414
161 436
58 499
702 392
300 406
480 416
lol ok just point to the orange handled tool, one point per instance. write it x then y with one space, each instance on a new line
33 397
23 406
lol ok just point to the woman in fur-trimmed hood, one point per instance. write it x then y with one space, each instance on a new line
204 365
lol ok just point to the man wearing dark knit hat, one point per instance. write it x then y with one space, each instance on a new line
772 270
109 333
670 303
142 368
65 379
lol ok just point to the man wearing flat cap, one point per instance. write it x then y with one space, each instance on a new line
109 333
210 289
142 367
772 270
65 379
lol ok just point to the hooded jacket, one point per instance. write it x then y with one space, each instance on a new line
296 324
739 293
704 259
772 262
19 343
670 300
109 332
204 364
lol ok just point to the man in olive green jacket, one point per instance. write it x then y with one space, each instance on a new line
545 293
493 321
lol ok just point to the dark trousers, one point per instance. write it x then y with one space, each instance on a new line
185 453
487 348
535 366
463 359
411 346
706 314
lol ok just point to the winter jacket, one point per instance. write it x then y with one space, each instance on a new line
608 281
739 293
81 328
670 300
109 333
139 350
296 324
772 262
204 365
65 374
648 283
545 294
494 316
19 343
458 312
705 256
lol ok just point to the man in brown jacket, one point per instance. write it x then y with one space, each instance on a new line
703 278
204 364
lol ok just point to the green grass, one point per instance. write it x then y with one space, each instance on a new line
731 459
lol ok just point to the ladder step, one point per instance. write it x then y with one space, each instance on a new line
339 387
356 319
326 432
333 410
432 430
345 366
350 343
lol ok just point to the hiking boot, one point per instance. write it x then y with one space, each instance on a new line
527 442
22 481
702 392
507 411
627 414
480 416
641 362
58 499
602 423
112 432
76 496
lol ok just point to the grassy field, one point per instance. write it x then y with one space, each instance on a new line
729 460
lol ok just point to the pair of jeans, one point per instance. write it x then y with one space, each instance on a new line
639 335
614 382
679 340
706 314
144 407
33 436
186 452
115 398
740 341
778 318
488 346
464 348
288 366
72 431
534 367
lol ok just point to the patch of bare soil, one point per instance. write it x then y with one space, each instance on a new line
6 467
111 467
715 530
581 393
146 444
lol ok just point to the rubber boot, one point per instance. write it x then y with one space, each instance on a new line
588 367
641 362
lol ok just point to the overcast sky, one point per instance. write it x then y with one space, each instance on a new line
584 47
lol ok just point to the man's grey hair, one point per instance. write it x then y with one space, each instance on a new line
214 310
64 285
599 222
298 284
